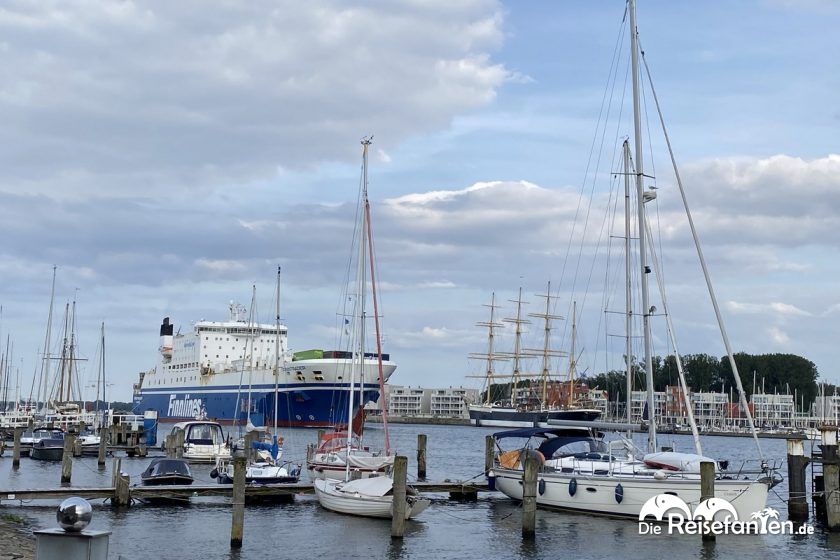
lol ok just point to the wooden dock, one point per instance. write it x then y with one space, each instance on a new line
457 490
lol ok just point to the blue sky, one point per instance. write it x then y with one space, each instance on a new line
166 157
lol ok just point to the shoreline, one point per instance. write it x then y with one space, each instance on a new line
17 538
442 421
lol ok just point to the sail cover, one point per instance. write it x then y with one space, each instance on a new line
375 486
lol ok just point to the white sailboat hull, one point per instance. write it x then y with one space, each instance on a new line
596 494
332 498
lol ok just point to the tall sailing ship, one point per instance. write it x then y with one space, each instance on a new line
199 374
517 410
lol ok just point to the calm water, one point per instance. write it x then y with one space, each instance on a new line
489 528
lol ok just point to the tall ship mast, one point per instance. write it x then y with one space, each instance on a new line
516 412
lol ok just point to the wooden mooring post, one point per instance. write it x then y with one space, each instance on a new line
529 494
707 491
421 456
103 448
398 511
831 477
16 449
237 527
67 459
797 463
77 447
180 435
489 453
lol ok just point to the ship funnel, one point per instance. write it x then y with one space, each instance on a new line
166 330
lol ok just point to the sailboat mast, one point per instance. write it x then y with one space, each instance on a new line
490 327
383 396
628 289
572 357
359 321
101 373
63 362
517 347
251 335
640 203
72 360
276 350
546 342
45 362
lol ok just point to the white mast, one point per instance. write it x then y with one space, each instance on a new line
628 294
100 377
640 203
250 356
359 319
572 355
276 350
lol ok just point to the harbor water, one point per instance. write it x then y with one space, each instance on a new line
488 528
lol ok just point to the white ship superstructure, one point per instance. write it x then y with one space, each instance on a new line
201 372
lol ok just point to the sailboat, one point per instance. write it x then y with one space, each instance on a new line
264 465
371 496
583 472
521 411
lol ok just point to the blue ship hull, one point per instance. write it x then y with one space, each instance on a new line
302 405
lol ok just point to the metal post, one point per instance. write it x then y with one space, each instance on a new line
16 450
398 511
421 456
707 490
67 459
797 463
237 527
529 495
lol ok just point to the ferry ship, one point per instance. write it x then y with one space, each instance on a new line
206 372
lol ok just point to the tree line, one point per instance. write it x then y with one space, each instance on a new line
772 373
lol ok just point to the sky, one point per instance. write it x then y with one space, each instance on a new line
165 156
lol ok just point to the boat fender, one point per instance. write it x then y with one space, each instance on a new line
541 486
214 473
572 487
619 493
491 481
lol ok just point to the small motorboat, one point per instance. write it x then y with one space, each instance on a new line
48 449
31 437
259 472
167 472
204 442
367 497
90 443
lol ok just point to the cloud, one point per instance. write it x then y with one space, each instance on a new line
774 308
778 336
124 98
779 201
